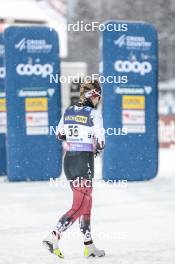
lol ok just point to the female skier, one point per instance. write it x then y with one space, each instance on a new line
81 126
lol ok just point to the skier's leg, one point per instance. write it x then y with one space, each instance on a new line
85 228
81 201
84 221
52 240
90 250
79 198
85 218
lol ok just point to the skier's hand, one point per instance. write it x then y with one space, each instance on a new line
100 145
97 152
61 136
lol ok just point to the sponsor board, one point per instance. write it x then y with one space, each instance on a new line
147 90
36 131
33 93
133 106
36 104
3 122
37 123
167 131
133 102
3 115
33 104
2 104
133 117
140 129
37 119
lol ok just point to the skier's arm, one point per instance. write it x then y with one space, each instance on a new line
98 131
60 129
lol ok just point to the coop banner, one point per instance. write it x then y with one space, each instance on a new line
130 69
33 103
3 119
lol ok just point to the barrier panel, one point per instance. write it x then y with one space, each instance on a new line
33 103
3 120
130 70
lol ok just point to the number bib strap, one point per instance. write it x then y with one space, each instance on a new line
73 146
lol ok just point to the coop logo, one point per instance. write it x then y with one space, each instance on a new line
2 72
141 68
132 42
33 45
36 69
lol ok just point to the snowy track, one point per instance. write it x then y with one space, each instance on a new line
133 223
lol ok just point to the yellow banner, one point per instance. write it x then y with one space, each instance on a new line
133 102
3 105
77 118
36 104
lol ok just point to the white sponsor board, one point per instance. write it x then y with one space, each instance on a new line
3 122
135 128
37 119
37 123
133 117
37 131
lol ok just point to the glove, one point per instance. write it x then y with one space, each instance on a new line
97 152
99 148
61 136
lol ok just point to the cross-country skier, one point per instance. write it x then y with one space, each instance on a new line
82 127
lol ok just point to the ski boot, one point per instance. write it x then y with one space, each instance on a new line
91 251
51 242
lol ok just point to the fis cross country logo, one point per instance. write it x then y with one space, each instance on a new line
141 68
36 69
2 50
121 41
34 45
2 72
133 42
21 45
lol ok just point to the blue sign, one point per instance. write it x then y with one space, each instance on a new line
33 103
130 73
3 119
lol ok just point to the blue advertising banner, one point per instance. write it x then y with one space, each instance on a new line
130 71
3 119
33 103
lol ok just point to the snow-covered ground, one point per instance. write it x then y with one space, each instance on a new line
135 224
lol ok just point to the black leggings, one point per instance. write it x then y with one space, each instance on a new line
79 164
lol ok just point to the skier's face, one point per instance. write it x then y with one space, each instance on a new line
96 100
